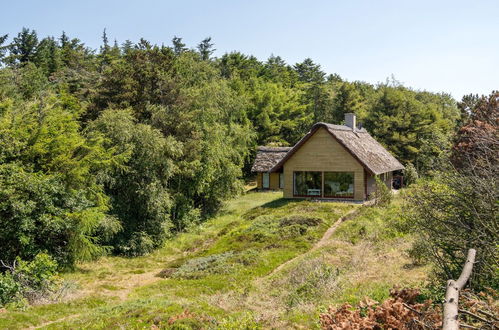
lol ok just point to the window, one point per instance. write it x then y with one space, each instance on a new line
338 184
307 183
265 180
281 180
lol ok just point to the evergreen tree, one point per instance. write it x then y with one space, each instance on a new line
309 72
178 45
348 99
48 57
3 49
205 48
23 48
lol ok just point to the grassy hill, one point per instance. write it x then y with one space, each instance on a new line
263 262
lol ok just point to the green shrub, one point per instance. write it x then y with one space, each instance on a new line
450 214
300 220
32 280
410 174
9 289
382 195
311 281
203 266
269 229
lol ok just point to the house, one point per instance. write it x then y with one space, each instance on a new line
330 162
266 159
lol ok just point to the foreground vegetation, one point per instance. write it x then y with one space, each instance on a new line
257 264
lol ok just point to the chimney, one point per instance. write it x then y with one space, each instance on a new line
350 120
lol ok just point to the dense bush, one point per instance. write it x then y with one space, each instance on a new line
452 214
33 281
458 210
410 174
382 194
50 196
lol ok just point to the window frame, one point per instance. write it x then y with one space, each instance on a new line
337 196
322 185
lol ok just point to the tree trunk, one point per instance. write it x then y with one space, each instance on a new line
451 321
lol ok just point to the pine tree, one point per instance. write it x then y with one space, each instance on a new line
126 47
309 72
178 45
3 49
24 46
205 49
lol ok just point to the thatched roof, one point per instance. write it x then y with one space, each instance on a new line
362 146
268 157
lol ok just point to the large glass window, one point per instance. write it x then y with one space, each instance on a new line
307 183
338 184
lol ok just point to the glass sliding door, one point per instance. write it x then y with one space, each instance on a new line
339 184
307 184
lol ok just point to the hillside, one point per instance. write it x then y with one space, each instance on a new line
263 261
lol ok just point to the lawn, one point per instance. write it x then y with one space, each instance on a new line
255 265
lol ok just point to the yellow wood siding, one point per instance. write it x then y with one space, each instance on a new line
323 153
259 179
273 181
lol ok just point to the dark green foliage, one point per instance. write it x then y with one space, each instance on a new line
3 48
205 48
23 48
139 192
51 199
178 45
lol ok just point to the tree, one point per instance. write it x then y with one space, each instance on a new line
237 65
205 48
405 121
348 99
276 70
277 114
3 49
178 45
50 196
23 48
452 214
477 143
139 190
48 57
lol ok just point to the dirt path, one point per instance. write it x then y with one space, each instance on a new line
46 324
320 243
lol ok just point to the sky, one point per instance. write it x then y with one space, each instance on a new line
439 45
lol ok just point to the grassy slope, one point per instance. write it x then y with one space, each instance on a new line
222 271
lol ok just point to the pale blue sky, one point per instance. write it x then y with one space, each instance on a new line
448 46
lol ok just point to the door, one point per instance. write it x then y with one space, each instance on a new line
281 180
266 181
